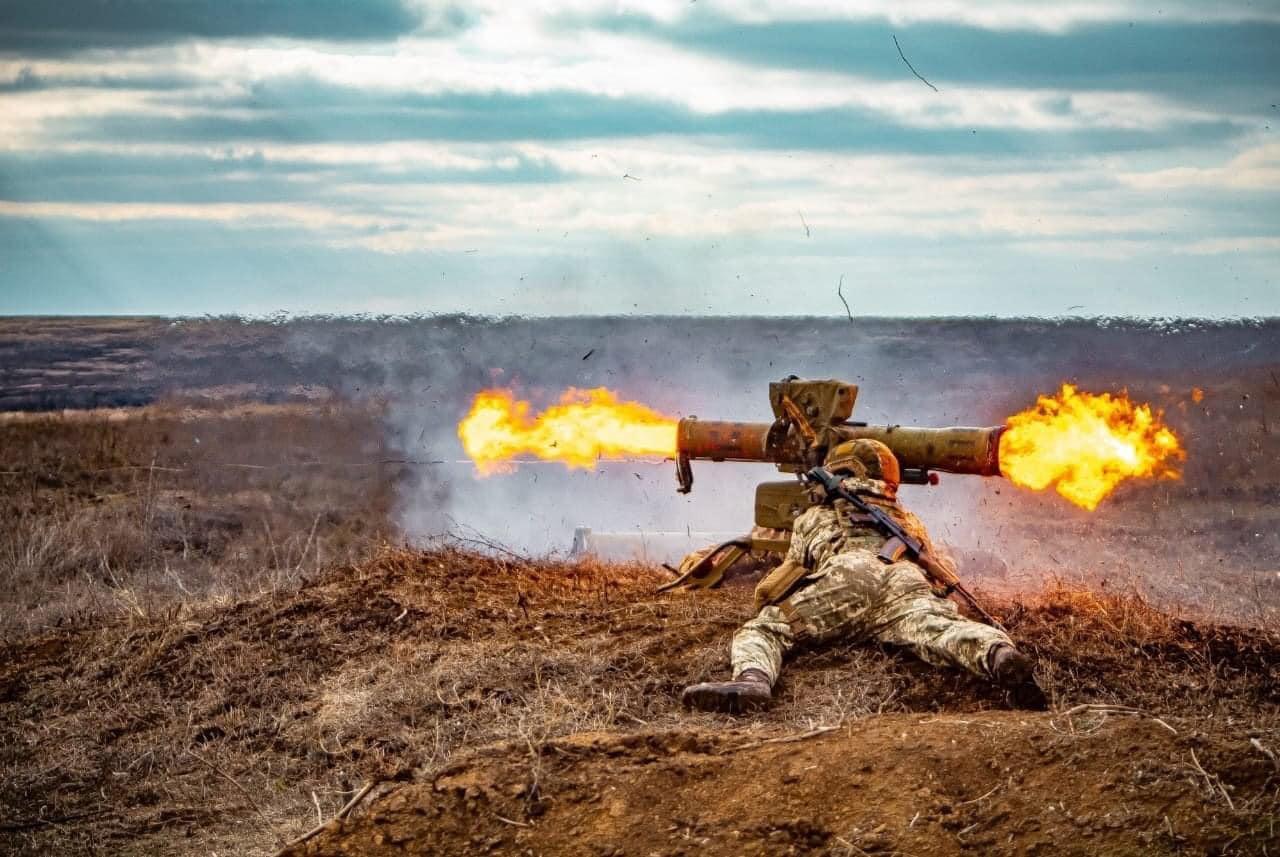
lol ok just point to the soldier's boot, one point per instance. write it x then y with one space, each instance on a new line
1015 672
750 691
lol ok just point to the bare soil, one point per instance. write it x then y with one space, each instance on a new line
211 729
987 783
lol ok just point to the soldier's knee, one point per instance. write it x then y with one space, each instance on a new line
906 579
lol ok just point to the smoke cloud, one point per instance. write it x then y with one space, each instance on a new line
937 372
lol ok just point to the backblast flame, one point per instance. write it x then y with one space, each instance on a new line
1084 444
585 426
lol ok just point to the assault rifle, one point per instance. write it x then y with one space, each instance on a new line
900 543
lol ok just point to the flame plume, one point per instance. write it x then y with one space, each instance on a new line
585 426
1085 444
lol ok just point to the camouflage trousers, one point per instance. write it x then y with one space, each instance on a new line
858 597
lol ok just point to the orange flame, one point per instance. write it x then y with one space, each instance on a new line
586 426
1085 444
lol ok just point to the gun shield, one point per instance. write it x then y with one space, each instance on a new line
778 504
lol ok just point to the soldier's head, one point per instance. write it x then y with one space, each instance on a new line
866 459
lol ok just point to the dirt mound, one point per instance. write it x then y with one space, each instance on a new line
232 728
995 782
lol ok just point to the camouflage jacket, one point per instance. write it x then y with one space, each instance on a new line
826 529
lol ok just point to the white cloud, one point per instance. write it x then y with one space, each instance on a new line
254 214
1255 169
25 115
993 14
1242 244
683 191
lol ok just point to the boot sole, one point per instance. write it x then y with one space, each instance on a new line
1016 674
1029 697
723 701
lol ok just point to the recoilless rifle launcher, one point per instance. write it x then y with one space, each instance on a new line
810 417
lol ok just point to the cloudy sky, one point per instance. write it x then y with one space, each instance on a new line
394 156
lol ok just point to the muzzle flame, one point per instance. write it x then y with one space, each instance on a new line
586 426
1083 445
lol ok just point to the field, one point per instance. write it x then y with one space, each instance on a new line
242 580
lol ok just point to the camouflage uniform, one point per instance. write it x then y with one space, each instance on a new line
849 593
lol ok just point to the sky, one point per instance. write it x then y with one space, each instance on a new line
758 157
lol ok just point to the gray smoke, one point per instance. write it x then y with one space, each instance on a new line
925 372
536 507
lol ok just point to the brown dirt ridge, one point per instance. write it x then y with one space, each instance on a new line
502 705
992 782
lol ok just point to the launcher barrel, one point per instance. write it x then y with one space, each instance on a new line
955 449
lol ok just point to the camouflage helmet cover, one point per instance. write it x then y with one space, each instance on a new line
865 458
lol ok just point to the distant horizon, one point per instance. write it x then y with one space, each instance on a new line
282 317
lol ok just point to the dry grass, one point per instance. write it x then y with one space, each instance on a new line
392 666
110 515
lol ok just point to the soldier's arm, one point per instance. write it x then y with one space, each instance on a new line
798 550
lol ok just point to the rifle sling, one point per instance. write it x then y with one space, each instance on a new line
893 550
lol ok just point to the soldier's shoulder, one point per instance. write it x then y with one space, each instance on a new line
813 515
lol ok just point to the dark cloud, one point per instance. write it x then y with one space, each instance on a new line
63 26
309 112
28 81
1179 59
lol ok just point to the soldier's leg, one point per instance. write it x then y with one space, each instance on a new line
832 606
931 627
934 630
762 643
835 605
757 652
